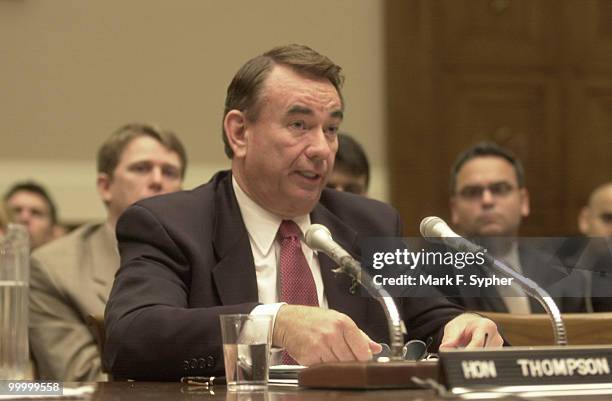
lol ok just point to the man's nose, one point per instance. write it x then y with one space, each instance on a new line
320 146
157 179
22 216
487 197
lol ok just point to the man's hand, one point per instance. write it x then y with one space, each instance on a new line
470 330
313 335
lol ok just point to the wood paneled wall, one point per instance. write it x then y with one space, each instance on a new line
535 76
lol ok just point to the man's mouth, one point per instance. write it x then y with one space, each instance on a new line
309 175
490 221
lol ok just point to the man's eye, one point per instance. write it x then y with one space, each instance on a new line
606 217
300 125
140 168
333 130
171 172
471 192
500 188
38 213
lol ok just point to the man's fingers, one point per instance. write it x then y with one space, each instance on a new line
477 340
314 335
342 348
453 337
328 355
449 344
471 331
486 339
359 344
375 348
315 353
494 341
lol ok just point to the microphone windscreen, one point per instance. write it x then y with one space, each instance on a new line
317 236
428 226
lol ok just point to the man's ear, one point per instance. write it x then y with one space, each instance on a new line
234 124
583 220
103 183
525 207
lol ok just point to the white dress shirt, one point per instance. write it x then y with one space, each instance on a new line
513 296
262 227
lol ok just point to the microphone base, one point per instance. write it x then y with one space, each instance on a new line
368 375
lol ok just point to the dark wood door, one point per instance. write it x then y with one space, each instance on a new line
535 76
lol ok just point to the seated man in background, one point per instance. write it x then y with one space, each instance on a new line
595 219
351 168
488 202
594 253
72 277
236 244
30 204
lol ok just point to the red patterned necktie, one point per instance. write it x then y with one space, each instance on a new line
296 282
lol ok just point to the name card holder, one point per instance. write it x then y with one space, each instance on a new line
368 375
528 369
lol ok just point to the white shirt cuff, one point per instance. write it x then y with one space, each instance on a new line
268 309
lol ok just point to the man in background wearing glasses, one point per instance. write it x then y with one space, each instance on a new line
488 201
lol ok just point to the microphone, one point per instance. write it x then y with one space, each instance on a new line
434 226
319 238
434 229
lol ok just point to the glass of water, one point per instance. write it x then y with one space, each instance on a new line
246 350
14 278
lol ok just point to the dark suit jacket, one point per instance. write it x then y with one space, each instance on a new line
566 287
591 257
186 259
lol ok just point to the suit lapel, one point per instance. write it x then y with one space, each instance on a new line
101 246
234 274
337 286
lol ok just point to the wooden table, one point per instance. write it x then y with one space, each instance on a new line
150 391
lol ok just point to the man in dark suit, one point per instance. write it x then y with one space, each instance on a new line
188 258
488 201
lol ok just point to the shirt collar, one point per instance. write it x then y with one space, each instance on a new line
261 224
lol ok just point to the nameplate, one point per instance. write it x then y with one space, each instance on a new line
368 375
527 368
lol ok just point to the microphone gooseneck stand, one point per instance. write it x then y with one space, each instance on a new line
319 238
397 329
433 228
